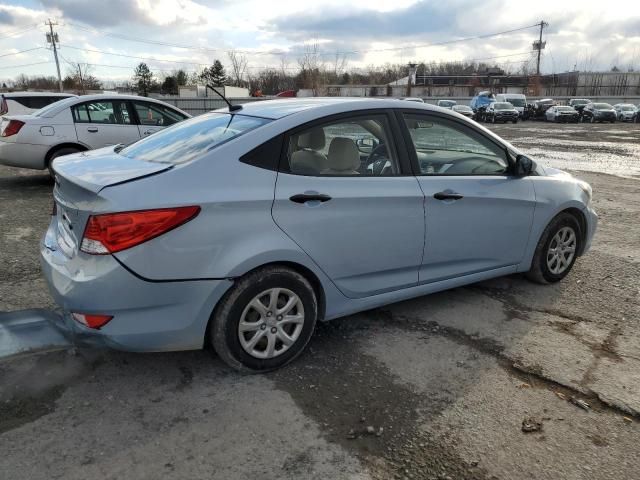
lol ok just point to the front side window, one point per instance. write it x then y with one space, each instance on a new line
156 115
193 137
356 146
445 147
109 112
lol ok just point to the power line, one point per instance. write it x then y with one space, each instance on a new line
16 32
21 51
276 52
25 65
135 56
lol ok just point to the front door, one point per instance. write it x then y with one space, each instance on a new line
104 122
478 216
343 197
153 117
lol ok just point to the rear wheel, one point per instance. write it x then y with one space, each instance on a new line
59 153
265 321
557 250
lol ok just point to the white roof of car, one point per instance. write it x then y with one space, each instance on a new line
37 94
57 107
279 108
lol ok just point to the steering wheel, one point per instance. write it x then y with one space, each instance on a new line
378 151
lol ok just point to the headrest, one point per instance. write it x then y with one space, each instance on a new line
343 155
313 139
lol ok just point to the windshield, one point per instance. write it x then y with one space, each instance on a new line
565 109
462 108
188 139
579 102
517 102
503 106
627 108
602 106
446 103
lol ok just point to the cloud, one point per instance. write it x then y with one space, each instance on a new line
6 18
100 13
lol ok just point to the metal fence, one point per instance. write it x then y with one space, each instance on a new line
199 105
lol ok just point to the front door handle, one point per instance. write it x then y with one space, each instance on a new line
309 197
447 196
147 132
92 130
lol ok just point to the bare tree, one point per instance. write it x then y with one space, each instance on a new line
239 64
79 77
311 67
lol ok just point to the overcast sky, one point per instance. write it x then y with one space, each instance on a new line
583 34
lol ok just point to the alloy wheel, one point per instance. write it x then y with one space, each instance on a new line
561 250
271 323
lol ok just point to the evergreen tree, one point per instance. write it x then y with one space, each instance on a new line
214 75
143 79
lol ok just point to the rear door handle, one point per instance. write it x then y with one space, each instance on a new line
447 196
92 130
309 197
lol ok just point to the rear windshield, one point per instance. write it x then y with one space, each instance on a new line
446 103
462 108
579 102
191 138
516 102
602 106
43 112
565 109
503 106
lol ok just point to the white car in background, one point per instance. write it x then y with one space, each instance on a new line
81 123
24 103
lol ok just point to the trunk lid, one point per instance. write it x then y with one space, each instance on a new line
96 169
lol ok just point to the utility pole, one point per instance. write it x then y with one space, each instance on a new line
539 46
52 38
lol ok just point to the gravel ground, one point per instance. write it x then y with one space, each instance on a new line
433 388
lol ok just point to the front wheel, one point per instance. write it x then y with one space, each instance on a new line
557 250
265 320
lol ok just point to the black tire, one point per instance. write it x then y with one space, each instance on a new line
223 331
592 119
514 121
493 119
60 153
540 272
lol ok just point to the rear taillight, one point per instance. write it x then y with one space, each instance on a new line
12 128
92 321
4 108
113 232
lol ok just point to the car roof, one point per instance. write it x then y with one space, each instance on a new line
275 109
37 94
57 107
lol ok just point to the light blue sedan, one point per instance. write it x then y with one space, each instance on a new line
243 228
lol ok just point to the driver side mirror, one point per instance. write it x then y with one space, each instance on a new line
524 166
366 145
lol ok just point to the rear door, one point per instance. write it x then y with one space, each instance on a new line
478 215
153 117
346 196
101 123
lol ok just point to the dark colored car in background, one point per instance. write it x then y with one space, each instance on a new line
540 108
579 103
562 113
501 112
463 110
598 112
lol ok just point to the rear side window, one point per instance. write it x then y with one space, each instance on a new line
109 112
193 137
